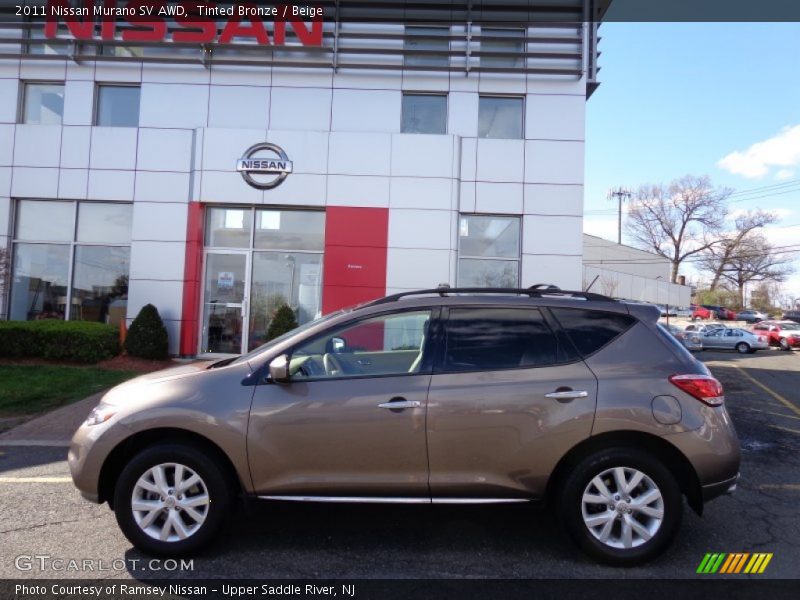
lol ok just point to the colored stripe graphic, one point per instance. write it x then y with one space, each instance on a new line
758 563
740 564
723 563
732 558
711 563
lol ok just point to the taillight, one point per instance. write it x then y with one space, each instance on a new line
703 387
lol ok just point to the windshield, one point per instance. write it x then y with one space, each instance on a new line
281 338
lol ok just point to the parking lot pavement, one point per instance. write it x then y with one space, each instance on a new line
43 515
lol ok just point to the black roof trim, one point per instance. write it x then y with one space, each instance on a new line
532 292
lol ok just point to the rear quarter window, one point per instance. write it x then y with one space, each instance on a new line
591 330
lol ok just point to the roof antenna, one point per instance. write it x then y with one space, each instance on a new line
596 277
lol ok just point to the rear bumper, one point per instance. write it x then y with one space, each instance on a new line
713 451
715 490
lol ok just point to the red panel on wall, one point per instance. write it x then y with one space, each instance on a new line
356 226
355 256
192 280
355 266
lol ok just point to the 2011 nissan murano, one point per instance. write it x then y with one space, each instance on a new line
437 396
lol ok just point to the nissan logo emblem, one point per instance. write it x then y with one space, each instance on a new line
277 163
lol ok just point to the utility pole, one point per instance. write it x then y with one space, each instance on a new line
621 194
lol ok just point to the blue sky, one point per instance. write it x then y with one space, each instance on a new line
716 99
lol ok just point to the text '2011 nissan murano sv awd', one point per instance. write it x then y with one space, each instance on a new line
437 396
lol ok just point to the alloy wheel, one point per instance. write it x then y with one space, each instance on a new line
170 502
622 507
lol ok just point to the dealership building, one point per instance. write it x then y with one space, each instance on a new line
220 168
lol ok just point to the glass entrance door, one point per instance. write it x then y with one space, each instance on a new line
225 297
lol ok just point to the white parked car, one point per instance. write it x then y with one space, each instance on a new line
702 328
741 340
688 337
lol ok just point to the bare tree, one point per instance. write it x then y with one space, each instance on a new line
609 285
677 221
718 256
756 260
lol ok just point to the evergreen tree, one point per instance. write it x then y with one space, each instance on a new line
282 322
147 336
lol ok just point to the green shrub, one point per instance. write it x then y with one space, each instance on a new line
283 322
147 336
52 339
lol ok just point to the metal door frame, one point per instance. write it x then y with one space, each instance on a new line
245 304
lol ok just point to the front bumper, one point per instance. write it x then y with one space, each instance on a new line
715 490
88 450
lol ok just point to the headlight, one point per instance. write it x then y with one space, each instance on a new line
100 414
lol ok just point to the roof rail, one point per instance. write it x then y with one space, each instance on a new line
536 291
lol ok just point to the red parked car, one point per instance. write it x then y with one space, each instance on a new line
785 334
723 314
700 312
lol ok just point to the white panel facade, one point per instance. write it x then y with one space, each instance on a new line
343 133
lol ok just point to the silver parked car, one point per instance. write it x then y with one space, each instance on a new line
688 337
457 396
741 340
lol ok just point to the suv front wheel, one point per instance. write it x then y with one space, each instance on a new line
621 506
171 499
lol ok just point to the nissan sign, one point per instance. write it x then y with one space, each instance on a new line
254 163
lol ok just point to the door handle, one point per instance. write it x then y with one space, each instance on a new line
400 404
567 394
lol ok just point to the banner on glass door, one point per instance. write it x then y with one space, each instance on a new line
225 280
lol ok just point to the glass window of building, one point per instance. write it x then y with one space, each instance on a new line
38 43
432 40
500 117
43 103
229 227
507 43
256 261
70 261
117 106
489 251
424 113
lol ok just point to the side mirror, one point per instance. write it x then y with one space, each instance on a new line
279 369
338 344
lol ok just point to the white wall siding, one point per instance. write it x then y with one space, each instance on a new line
342 132
239 106
173 105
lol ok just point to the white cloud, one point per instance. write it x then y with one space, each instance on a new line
784 174
782 151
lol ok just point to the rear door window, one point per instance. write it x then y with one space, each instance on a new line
487 339
591 330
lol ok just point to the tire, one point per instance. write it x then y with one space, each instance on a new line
743 348
784 345
656 479
139 477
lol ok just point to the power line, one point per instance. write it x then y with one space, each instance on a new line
764 187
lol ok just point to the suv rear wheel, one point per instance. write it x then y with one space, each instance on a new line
171 499
621 506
